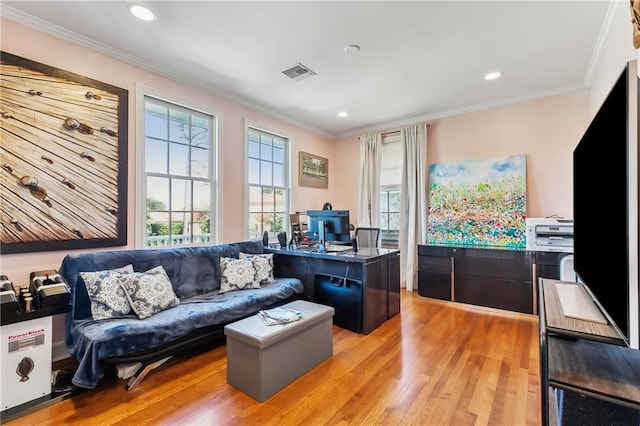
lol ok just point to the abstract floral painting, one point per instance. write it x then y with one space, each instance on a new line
478 203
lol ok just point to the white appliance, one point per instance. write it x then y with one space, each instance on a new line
25 359
566 269
550 234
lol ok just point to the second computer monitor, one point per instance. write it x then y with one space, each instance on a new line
336 224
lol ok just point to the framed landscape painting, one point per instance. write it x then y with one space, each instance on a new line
478 202
64 159
314 170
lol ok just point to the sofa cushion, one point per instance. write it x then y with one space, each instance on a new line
108 299
263 264
149 292
237 274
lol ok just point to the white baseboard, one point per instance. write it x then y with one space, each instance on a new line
59 351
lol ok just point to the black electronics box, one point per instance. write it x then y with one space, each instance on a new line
8 300
50 289
8 305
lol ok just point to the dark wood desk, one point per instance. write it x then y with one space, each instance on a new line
376 270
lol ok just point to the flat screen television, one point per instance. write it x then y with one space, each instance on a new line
605 206
336 223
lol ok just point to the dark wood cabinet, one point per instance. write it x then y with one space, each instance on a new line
493 277
435 275
547 264
495 293
501 264
499 277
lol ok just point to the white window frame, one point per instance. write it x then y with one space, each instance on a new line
384 236
215 156
389 140
248 124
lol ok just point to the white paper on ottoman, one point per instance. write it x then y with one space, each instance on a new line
262 359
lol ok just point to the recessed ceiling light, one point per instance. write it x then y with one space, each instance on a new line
352 48
343 114
493 75
142 12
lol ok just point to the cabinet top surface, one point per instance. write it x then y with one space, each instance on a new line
470 246
498 248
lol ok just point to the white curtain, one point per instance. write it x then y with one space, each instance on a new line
369 189
413 204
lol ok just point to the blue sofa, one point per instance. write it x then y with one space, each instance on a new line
200 315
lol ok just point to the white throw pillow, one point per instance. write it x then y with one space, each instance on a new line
149 292
237 274
108 299
263 264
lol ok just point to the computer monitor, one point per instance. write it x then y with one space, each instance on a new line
336 225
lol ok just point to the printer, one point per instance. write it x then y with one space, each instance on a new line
550 234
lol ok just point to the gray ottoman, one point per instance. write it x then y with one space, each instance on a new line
262 359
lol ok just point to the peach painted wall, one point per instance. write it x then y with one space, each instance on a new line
31 44
535 129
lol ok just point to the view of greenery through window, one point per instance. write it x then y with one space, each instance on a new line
390 214
178 174
268 187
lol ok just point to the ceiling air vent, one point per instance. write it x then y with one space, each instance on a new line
298 72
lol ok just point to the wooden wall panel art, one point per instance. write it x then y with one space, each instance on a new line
63 159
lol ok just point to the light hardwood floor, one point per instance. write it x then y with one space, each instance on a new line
437 363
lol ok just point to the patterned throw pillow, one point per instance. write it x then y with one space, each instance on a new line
263 264
237 274
108 299
149 292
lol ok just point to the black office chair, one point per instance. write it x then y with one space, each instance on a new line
368 237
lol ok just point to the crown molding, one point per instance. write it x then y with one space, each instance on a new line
616 7
64 34
457 111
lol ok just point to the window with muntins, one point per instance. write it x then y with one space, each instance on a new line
390 214
268 186
179 175
390 183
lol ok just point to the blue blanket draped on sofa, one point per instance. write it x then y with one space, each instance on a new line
195 276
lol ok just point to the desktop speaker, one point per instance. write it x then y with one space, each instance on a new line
282 239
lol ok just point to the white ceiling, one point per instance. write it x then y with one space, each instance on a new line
419 60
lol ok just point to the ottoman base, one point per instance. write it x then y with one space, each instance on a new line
262 359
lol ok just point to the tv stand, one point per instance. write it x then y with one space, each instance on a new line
579 357
577 303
